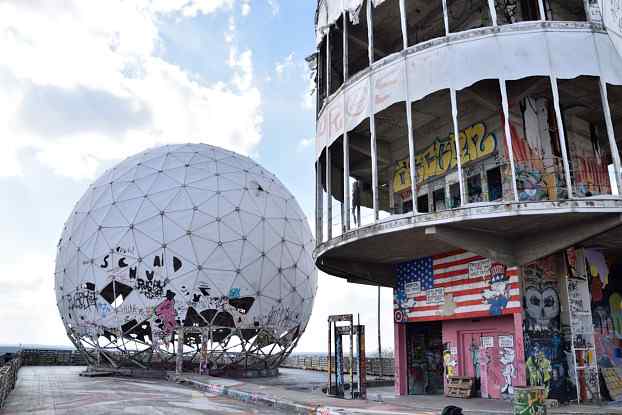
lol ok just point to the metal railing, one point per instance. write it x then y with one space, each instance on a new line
8 378
375 366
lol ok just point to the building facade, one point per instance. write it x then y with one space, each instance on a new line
467 156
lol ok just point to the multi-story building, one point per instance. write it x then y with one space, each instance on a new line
481 244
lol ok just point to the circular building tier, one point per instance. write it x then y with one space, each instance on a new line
491 126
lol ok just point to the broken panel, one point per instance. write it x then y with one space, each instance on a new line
586 136
536 148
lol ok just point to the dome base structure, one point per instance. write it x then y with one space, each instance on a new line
185 257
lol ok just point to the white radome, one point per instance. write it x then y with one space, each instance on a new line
189 236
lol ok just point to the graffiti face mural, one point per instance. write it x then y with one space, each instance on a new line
188 236
544 346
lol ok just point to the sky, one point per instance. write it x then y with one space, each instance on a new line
86 83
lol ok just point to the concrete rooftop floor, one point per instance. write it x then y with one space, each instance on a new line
45 390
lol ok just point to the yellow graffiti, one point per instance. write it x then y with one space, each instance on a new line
440 157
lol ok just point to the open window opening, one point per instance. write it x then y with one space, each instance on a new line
614 95
387 29
361 194
336 55
321 75
535 140
514 11
358 52
586 136
424 20
482 142
394 184
565 10
336 187
435 161
468 14
323 200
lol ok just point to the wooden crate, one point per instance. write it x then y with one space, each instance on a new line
459 387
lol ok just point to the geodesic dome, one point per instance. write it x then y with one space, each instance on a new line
186 240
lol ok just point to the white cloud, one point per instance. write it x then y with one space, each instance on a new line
29 298
305 143
85 83
281 66
246 7
274 5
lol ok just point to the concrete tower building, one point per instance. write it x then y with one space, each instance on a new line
468 157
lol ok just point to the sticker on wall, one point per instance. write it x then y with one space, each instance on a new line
412 288
435 296
506 341
479 269
487 342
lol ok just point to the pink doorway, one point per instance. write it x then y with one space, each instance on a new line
487 351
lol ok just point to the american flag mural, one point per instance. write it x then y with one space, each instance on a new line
454 285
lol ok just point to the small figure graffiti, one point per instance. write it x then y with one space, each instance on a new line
539 371
451 364
165 311
497 294
509 370
531 184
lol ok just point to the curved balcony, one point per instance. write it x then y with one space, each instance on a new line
536 111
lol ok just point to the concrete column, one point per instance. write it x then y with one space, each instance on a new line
615 154
562 135
519 349
508 134
401 380
445 17
179 358
372 118
409 118
329 196
345 225
454 113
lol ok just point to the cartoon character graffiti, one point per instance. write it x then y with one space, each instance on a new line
165 311
451 364
541 306
498 293
539 371
509 370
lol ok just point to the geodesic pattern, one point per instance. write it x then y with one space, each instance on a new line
189 236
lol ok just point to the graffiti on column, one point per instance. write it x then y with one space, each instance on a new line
544 349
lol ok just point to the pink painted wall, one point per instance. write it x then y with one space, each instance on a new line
401 383
452 334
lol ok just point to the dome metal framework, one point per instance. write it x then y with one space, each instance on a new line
186 248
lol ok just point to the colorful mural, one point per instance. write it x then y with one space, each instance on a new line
544 344
476 143
454 285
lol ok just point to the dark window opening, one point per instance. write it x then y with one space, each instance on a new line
454 195
565 10
438 197
474 188
495 187
321 75
422 204
424 21
336 55
468 14
407 206
358 53
387 29
513 11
